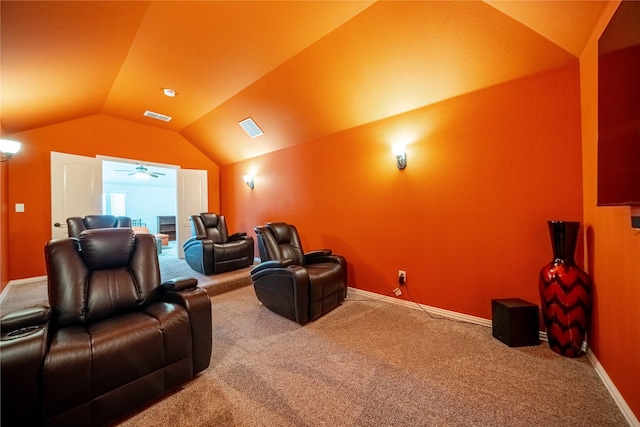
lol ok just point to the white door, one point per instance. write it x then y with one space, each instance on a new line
76 189
192 199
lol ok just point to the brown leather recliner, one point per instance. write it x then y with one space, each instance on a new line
114 339
76 224
211 250
297 285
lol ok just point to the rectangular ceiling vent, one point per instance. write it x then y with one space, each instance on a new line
251 127
157 116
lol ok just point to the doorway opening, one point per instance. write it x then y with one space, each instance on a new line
147 194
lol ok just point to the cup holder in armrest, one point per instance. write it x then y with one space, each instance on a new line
22 332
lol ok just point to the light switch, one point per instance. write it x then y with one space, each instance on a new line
19 207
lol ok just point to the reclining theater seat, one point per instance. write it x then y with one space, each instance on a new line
212 251
76 224
299 286
114 339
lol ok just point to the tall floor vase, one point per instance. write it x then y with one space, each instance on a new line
565 292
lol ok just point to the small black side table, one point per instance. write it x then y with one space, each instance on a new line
515 322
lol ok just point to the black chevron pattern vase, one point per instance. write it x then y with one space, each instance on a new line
565 292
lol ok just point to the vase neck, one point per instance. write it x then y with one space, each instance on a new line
564 236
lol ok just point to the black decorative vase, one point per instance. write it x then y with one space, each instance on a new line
565 292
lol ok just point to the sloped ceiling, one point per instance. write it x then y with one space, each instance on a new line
300 69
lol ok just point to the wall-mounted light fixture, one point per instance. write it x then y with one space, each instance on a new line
635 217
248 179
401 156
8 148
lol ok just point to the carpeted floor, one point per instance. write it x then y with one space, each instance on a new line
171 267
366 363
371 363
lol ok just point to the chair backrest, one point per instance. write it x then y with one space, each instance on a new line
279 240
102 273
211 226
76 225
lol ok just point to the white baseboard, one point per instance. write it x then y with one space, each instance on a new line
617 397
615 394
432 310
12 283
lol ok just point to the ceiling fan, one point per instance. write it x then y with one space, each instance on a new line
141 172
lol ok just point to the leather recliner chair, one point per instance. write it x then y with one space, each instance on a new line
297 285
76 224
114 339
212 251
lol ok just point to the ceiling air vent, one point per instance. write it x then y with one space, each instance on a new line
251 127
157 116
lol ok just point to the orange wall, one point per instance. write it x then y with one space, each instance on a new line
466 218
4 226
613 254
29 174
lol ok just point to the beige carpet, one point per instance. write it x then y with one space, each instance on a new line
371 363
367 363
172 267
35 293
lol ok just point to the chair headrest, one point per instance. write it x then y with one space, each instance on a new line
99 221
281 231
209 219
104 248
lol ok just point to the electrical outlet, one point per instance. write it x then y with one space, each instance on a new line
402 277
584 347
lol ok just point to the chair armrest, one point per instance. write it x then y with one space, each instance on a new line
276 263
237 236
24 318
191 240
23 345
322 255
197 303
284 290
180 283
317 253
200 245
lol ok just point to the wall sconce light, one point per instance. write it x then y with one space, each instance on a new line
635 217
248 179
8 148
401 156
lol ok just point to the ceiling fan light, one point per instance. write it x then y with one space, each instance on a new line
141 175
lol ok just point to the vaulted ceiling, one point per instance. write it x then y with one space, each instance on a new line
300 69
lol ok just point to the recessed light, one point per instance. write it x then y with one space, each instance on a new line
169 92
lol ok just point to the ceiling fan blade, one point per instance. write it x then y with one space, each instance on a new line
141 170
